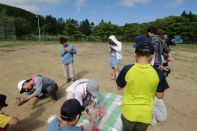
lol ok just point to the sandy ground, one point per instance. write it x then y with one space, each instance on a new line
20 62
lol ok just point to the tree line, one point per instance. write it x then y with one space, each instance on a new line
16 23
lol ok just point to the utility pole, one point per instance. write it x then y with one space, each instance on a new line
43 32
38 28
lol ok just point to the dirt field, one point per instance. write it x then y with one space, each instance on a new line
20 62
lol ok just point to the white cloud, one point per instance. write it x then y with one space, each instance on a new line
30 8
34 5
29 2
131 3
80 3
78 10
29 5
174 3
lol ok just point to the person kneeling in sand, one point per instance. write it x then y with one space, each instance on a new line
38 86
84 90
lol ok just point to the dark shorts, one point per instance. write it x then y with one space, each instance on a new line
50 90
133 126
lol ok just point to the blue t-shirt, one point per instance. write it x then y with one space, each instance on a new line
54 126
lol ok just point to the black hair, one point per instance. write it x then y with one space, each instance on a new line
70 109
111 42
28 80
68 118
153 30
62 40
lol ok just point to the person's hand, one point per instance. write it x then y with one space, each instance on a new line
111 46
51 118
161 68
67 49
93 104
90 118
21 100
101 111
170 58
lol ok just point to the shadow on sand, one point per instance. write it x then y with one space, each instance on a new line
62 88
79 75
31 122
38 103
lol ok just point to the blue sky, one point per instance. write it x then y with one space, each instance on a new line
117 11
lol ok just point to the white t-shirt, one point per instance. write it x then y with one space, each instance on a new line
78 89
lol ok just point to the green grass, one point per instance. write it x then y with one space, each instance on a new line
28 42
186 47
189 47
19 43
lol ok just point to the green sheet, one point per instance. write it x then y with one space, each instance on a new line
112 119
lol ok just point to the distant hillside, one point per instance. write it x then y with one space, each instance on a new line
22 22
25 24
16 23
16 12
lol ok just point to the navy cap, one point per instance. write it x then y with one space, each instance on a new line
145 49
140 39
70 109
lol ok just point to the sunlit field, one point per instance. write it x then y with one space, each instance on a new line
20 59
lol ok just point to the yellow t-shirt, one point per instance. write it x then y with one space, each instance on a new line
4 119
138 99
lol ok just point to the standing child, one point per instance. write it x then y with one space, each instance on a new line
115 48
67 54
142 82
159 44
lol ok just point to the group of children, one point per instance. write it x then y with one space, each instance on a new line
142 81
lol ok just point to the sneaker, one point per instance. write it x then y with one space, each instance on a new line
113 78
72 80
68 80
53 100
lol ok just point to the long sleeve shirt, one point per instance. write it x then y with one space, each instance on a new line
68 56
41 83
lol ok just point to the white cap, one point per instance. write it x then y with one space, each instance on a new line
20 85
93 87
